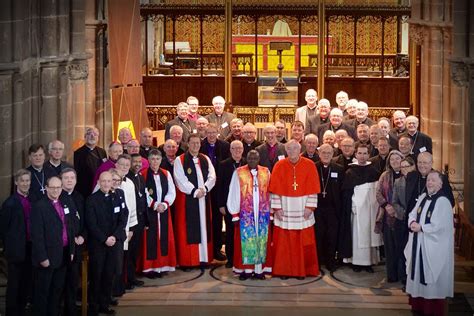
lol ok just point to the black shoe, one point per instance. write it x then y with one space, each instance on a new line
129 286
106 311
137 283
185 269
259 276
284 278
243 276
356 268
114 302
369 269
229 264
300 278
331 269
157 275
149 275
220 257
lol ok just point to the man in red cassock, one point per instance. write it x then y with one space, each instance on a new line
294 186
194 176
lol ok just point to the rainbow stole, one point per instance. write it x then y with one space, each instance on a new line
254 246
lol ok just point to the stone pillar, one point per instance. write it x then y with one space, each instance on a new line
431 28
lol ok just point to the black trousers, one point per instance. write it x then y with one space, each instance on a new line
72 283
103 267
134 247
19 283
217 218
229 237
326 229
48 288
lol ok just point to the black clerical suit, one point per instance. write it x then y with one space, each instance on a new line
144 151
224 176
379 163
189 127
220 153
38 182
328 212
76 205
249 147
135 243
59 168
47 244
314 158
86 163
421 143
328 126
17 251
266 160
106 215
343 161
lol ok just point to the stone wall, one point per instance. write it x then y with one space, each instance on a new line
53 77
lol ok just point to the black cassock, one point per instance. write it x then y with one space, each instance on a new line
355 175
328 212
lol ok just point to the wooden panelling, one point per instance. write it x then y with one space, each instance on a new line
128 104
124 42
161 90
376 92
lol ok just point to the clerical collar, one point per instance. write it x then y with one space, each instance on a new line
325 166
69 192
37 169
21 194
90 147
313 107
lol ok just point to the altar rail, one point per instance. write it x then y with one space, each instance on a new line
158 115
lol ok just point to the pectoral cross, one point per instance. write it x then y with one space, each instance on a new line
42 190
294 185
324 194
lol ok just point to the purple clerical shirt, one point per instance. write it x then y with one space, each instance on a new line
25 203
60 210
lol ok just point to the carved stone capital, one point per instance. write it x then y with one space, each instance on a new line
417 33
461 71
78 71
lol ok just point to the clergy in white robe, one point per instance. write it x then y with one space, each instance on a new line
249 204
194 177
361 203
430 250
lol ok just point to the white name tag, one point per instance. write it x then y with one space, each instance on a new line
123 204
104 159
224 125
195 131
117 209
334 175
66 210
422 149
281 157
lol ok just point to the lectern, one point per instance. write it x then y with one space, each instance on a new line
280 85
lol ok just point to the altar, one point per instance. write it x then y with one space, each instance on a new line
268 59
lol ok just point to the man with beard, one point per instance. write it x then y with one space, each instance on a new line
87 160
328 213
358 241
224 175
249 204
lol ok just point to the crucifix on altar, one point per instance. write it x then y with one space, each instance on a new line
280 85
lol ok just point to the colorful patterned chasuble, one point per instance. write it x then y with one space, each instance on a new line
254 245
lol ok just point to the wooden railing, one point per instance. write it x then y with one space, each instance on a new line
343 64
211 62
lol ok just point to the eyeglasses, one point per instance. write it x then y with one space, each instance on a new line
404 167
117 180
55 188
56 148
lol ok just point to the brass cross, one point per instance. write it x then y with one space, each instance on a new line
294 185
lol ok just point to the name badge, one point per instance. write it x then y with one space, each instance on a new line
334 175
422 149
140 194
123 204
104 159
195 131
281 157
117 209
66 210
224 125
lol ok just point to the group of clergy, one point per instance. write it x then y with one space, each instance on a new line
335 191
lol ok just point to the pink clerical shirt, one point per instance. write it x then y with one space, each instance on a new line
60 210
